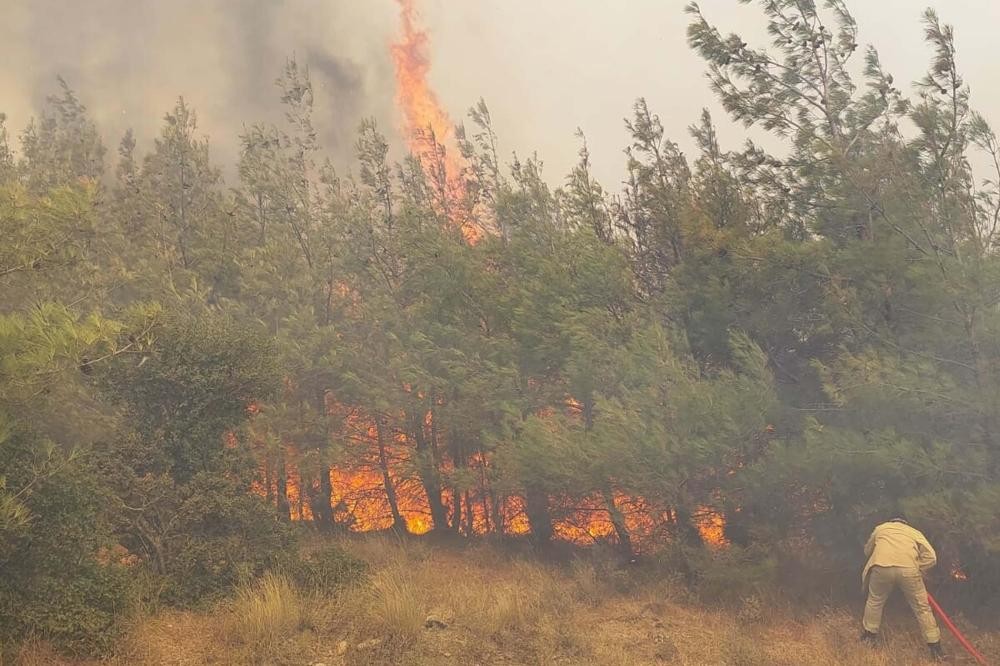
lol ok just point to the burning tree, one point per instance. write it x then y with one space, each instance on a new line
742 349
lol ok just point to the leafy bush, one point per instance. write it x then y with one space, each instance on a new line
724 576
180 476
326 570
223 538
80 611
58 584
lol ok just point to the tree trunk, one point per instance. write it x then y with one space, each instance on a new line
398 523
428 472
456 516
322 503
461 461
485 493
484 499
470 516
281 476
537 509
686 529
618 520
499 526
323 499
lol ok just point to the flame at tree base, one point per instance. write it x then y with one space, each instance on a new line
360 503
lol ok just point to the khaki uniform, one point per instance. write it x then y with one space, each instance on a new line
898 556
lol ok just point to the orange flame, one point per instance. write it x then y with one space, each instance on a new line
360 504
360 501
712 527
430 132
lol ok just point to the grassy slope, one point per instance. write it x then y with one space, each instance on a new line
501 610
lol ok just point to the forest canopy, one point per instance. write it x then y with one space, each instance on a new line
761 351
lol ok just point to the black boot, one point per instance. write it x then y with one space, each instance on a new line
937 654
869 637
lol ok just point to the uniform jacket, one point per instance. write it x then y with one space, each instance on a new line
895 544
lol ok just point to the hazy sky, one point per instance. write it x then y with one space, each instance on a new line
545 67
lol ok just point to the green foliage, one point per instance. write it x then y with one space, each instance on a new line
887 339
46 345
222 537
182 487
82 611
59 583
194 387
325 570
57 247
728 575
62 146
61 580
800 343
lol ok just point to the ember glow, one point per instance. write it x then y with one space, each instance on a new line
429 131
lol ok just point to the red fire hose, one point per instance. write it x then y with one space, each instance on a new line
955 632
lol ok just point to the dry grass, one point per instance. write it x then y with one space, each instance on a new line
588 585
504 610
491 611
266 614
266 622
33 653
394 604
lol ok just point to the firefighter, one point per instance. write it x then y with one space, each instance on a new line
899 556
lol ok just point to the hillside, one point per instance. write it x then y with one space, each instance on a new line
501 608
726 370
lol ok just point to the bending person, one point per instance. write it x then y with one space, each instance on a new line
898 556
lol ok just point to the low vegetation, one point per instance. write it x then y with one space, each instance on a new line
729 370
435 605
266 613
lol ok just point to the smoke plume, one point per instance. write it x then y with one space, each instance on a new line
129 61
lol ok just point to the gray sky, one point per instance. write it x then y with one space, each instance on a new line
545 67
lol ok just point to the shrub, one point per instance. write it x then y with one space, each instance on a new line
224 537
326 570
730 575
751 610
197 521
55 585
81 611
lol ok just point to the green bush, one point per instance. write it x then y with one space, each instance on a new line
727 575
326 570
198 523
58 582
224 537
80 611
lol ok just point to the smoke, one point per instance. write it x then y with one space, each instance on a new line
545 68
129 60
